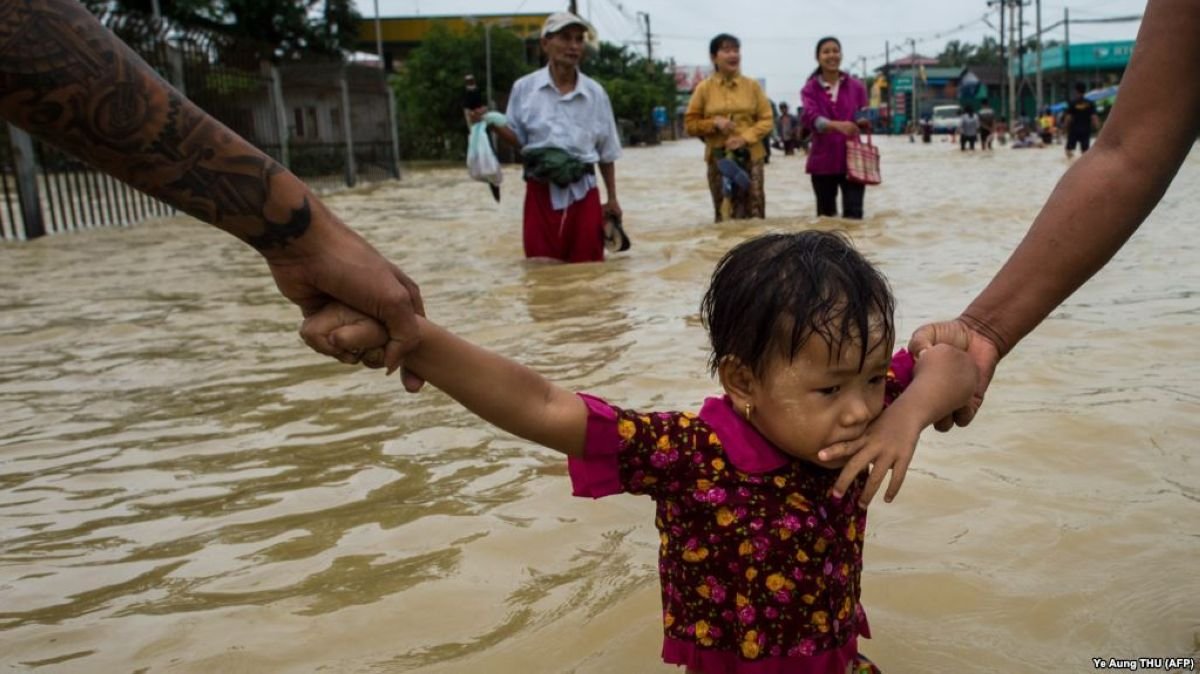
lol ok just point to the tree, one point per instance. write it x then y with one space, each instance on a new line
289 27
635 85
988 53
956 53
429 91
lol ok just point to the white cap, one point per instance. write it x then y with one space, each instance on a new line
559 20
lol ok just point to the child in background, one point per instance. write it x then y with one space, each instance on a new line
759 561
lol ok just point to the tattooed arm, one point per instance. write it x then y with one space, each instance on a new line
71 82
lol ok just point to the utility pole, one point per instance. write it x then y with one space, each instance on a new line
573 8
649 41
1012 82
887 73
1004 58
1067 49
915 107
487 48
1021 56
378 36
1039 54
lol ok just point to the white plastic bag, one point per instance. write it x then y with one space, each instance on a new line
482 164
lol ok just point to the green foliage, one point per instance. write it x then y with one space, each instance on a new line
958 53
429 93
290 27
231 82
635 85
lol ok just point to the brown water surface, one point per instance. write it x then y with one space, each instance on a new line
185 488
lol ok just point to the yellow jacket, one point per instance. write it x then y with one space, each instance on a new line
737 98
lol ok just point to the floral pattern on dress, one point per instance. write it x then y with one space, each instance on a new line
761 564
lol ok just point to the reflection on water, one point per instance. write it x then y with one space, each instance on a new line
184 487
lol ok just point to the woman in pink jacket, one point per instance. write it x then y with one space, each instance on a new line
832 100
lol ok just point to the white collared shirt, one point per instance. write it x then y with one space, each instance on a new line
580 122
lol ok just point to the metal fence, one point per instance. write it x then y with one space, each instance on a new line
331 123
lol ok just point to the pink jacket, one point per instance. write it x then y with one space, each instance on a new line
827 154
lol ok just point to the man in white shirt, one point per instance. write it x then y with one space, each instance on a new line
563 122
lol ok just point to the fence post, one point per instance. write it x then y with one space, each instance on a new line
175 56
391 111
351 166
25 164
280 116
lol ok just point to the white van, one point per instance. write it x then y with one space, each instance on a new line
946 118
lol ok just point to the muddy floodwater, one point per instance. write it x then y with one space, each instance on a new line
185 488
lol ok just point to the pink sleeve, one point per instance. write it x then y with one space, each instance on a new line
810 103
597 472
899 375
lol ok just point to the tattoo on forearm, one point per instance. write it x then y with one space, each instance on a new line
68 80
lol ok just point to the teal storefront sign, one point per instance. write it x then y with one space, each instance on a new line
1091 56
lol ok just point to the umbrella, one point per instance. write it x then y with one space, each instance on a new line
1101 94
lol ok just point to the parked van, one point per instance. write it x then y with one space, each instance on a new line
946 118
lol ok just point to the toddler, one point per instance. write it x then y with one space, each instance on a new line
759 562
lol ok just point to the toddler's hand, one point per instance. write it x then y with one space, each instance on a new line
342 329
887 445
836 456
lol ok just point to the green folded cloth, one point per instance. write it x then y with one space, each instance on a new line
554 165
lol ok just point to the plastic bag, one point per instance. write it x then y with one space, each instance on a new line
482 164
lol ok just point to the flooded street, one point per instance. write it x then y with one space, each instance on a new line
184 487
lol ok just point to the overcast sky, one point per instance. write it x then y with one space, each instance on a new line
778 36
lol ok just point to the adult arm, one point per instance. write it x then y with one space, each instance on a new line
817 109
812 107
695 121
507 135
608 151
503 132
513 133
608 173
71 82
1097 205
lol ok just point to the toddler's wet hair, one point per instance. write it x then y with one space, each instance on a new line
777 290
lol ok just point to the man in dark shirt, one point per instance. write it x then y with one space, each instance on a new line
1080 120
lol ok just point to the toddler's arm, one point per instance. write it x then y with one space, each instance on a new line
500 391
943 381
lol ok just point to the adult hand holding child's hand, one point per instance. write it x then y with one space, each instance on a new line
338 328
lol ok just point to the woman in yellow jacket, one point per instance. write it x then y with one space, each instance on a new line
732 115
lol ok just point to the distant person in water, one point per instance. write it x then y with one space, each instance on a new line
833 101
1080 120
562 121
732 115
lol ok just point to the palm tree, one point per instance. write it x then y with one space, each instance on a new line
956 53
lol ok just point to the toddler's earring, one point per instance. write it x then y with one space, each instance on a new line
747 411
